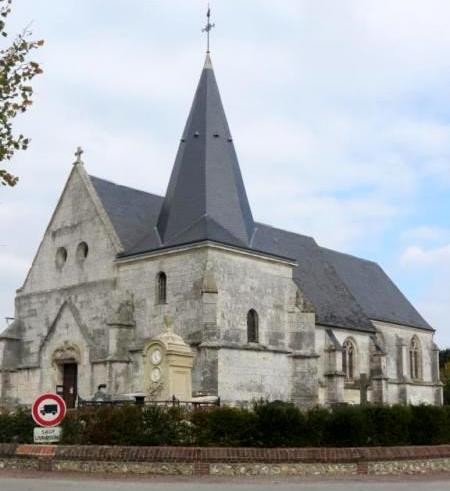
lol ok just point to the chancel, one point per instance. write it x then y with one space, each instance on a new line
131 290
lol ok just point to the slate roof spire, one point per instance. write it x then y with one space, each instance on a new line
206 198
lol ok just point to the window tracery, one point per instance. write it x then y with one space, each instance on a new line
349 359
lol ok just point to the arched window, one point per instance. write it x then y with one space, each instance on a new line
82 251
162 288
415 359
61 257
252 326
348 359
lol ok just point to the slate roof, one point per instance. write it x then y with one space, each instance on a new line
374 291
133 213
206 197
346 291
317 279
206 200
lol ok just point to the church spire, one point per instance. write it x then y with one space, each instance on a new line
206 198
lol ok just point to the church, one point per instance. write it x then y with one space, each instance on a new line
259 312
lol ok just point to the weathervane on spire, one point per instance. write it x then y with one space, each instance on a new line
208 28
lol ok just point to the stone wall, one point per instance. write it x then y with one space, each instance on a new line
100 310
244 282
246 375
250 371
401 388
210 290
184 270
66 303
227 461
398 386
361 341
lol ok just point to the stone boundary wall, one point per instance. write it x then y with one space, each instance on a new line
227 461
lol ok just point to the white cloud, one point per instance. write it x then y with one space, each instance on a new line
337 110
417 256
433 301
427 234
422 136
13 265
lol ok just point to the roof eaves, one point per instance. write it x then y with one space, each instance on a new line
205 242
404 324
326 325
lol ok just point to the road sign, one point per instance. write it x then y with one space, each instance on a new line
47 435
48 410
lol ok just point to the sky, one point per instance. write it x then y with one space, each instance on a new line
339 110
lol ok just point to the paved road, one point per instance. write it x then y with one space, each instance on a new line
72 483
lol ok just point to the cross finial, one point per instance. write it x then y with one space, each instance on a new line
78 155
208 27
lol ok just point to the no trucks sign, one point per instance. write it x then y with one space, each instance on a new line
48 410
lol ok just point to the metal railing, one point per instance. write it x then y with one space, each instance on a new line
141 401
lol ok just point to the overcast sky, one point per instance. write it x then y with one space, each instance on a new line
340 112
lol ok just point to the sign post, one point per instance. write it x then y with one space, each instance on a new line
48 410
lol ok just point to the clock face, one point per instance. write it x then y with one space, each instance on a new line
156 357
155 374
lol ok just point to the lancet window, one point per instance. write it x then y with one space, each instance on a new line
252 326
348 359
162 288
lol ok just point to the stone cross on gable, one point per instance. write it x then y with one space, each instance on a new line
78 155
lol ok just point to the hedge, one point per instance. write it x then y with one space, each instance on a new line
267 424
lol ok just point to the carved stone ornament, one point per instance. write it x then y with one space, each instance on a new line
67 352
154 389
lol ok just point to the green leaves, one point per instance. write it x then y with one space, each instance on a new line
267 424
15 91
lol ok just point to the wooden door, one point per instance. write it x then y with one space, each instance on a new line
70 376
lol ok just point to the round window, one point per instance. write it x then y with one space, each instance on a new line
61 257
82 251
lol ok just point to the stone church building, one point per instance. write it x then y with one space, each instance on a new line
266 313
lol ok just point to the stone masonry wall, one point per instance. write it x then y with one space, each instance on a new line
227 461
417 392
100 312
243 281
250 371
248 375
425 390
86 284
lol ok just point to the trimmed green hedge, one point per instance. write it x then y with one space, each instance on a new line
268 424
16 427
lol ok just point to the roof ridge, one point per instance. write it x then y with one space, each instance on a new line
350 255
285 231
125 186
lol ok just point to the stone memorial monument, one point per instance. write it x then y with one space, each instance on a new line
168 363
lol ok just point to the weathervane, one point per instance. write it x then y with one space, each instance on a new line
208 28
